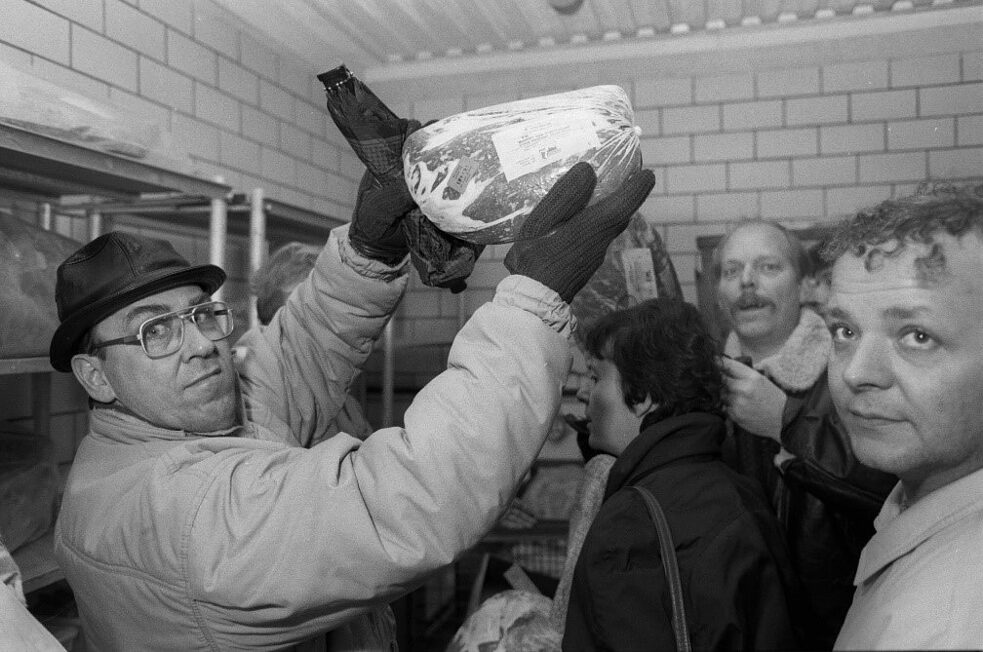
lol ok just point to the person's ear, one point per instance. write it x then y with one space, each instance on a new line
88 371
644 406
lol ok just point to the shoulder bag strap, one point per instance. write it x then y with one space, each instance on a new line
668 552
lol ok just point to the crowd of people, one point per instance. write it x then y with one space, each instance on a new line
808 483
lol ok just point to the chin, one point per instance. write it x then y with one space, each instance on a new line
213 417
878 454
752 330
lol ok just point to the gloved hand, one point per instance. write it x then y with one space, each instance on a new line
376 230
754 402
569 240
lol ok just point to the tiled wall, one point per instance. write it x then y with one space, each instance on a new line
804 144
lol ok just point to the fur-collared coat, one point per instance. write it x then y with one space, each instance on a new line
824 497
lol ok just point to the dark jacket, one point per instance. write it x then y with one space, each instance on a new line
737 580
825 499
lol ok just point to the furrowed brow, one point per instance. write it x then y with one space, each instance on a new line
902 314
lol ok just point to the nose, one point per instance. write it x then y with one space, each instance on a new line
864 366
584 389
747 275
195 342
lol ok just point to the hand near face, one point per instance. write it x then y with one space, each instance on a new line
753 402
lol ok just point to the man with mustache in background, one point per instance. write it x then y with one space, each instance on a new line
785 432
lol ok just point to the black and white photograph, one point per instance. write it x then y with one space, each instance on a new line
491 325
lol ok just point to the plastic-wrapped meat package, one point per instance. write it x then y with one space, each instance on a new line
512 621
38 105
29 487
479 174
29 259
636 267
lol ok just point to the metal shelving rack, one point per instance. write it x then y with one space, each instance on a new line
49 170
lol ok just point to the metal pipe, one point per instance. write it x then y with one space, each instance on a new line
217 232
257 244
95 224
44 216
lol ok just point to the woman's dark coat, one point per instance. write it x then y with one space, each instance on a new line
738 585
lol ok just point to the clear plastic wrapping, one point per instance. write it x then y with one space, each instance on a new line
29 259
34 104
479 174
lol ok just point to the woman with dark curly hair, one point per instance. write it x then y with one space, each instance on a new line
656 404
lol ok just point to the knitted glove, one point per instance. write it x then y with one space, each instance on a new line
376 229
572 239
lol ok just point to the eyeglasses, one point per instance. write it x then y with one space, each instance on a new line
163 335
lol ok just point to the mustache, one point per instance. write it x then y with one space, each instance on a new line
751 300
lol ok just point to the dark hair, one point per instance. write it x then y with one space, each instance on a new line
285 268
819 268
797 254
917 218
662 348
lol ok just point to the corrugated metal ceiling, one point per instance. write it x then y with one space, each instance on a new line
372 34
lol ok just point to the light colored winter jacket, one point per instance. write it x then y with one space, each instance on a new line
245 539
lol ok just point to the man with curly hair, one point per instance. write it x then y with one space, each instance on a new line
906 376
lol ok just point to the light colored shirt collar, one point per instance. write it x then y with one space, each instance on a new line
901 528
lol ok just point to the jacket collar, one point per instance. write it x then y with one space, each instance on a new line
123 426
802 359
664 442
901 528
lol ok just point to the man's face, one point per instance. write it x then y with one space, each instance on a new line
906 368
758 289
192 389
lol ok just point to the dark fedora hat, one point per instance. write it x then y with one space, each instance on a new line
108 274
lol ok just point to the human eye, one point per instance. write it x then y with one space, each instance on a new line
205 312
158 329
917 339
730 271
770 266
841 332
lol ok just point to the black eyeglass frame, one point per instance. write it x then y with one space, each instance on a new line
185 314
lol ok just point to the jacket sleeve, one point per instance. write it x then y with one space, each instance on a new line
824 463
301 366
386 511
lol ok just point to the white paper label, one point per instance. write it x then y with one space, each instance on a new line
639 274
532 145
463 173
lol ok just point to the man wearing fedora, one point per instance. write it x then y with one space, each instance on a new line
195 517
